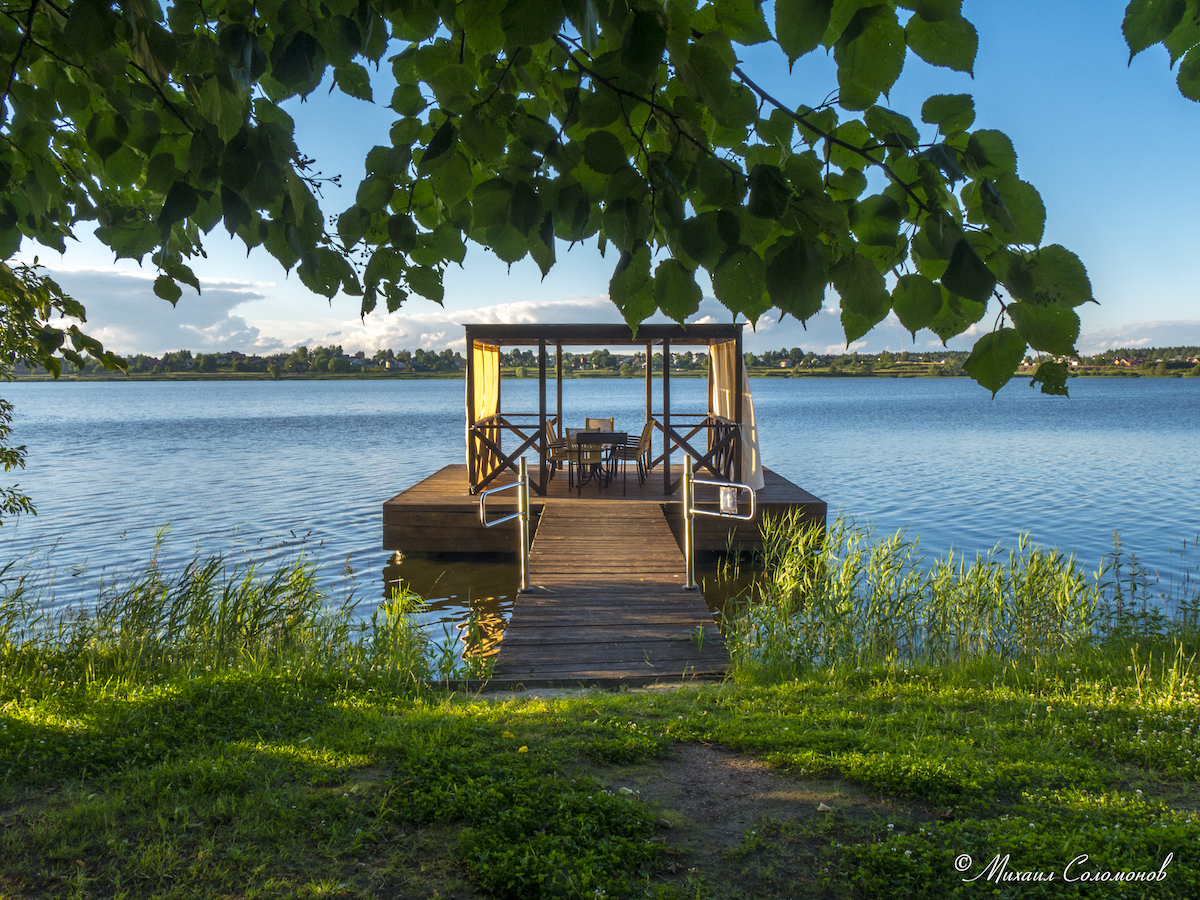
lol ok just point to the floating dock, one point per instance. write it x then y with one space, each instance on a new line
606 604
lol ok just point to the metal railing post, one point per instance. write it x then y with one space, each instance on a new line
728 510
521 515
689 523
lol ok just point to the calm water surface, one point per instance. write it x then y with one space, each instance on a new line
265 467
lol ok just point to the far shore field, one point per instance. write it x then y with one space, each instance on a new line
921 370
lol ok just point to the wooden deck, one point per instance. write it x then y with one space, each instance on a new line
438 515
606 570
606 605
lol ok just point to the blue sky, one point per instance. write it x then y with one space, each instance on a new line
1110 147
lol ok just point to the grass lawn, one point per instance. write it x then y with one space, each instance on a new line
223 732
265 785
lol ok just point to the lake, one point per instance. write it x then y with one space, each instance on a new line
263 467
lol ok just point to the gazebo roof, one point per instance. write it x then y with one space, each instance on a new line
601 334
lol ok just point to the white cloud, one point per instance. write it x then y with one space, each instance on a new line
1178 333
125 314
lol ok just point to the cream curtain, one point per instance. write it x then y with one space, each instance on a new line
723 360
485 366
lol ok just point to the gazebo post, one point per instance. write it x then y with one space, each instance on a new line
558 403
739 369
470 412
666 416
649 395
542 446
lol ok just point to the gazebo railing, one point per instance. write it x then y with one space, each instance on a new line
718 436
487 459
711 441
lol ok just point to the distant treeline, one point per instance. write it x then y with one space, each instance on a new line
1160 361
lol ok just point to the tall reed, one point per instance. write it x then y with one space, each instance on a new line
837 596
212 615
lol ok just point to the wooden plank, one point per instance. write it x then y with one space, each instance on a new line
609 605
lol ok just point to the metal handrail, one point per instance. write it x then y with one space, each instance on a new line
522 514
690 512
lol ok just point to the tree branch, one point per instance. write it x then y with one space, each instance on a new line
12 72
861 151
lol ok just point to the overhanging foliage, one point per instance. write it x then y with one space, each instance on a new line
526 123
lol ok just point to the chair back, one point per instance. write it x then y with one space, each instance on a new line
644 440
589 454
599 425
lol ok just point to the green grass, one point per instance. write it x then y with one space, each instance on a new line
223 731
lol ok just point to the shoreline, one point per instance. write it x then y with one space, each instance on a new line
508 373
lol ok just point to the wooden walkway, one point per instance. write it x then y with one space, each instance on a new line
606 605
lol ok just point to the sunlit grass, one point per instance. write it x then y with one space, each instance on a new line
226 735
213 615
838 597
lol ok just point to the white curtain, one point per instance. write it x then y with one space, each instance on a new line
723 360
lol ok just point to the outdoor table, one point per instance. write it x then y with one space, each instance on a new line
599 439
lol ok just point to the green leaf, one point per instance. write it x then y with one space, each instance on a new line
604 153
743 20
800 25
1051 276
967 275
1186 34
916 301
675 290
875 220
374 193
891 128
644 43
992 153
524 208
855 325
452 179
181 202
700 239
769 192
950 112
740 283
936 10
408 100
949 42
541 244
956 316
106 133
449 243
861 288
90 28
1025 206
527 23
994 358
869 56
439 145
352 225
166 288
234 210
631 288
297 63
426 281
796 276
1052 376
1188 79
353 79
1149 21
1051 329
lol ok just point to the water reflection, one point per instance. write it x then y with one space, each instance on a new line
467 601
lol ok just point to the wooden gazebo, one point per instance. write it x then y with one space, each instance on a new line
713 438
